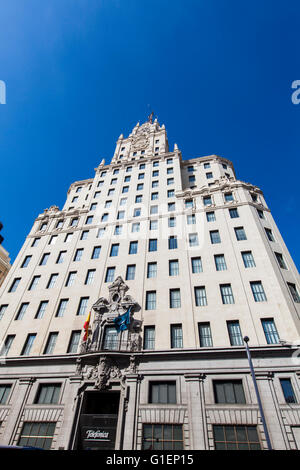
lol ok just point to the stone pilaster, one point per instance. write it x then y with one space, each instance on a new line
197 421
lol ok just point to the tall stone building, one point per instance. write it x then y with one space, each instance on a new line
176 261
4 259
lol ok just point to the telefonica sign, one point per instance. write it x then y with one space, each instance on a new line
92 435
2 92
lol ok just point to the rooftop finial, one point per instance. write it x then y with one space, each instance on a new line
150 117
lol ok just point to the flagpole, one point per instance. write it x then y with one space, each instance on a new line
246 340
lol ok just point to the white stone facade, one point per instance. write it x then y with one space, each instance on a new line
194 250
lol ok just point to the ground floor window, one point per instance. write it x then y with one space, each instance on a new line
37 434
162 437
236 438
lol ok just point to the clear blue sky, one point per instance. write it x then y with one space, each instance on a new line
78 73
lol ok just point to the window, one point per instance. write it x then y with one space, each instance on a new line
78 189
176 336
236 437
151 270
171 193
100 183
191 219
118 230
42 308
162 436
101 232
258 291
153 209
113 181
35 242
215 236
137 212
270 331
151 300
210 216
200 296
93 206
62 307
287 390
140 187
162 392
61 257
170 171
51 342
78 254
205 337
90 276
89 219
280 260
220 263
172 242
269 235
229 391
4 393
171 206
22 310
135 227
154 184
2 310
172 222
155 173
111 191
175 300
173 267
228 197
206 165
138 198
7 345
74 342
125 189
240 233
108 204
149 337
82 306
110 338
26 261
142 166
37 434
128 169
294 292
96 252
43 226
116 171
71 278
207 201
260 214
226 294
130 272
209 175
104 217
114 251
97 194
44 259
196 265
110 274
14 284
233 213
248 259
193 240
169 161
235 334
121 215
28 344
68 237
123 201
133 247
152 245
170 181
34 282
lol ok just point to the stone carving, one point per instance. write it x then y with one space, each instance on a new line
104 372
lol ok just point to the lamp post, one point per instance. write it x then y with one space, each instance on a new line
246 340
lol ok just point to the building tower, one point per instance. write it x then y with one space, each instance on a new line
123 315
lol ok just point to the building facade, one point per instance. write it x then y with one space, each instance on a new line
4 259
190 260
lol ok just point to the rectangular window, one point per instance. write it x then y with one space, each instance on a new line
125 189
210 216
172 242
3 309
35 242
111 340
152 246
258 291
14 284
174 267
162 436
191 219
294 292
93 206
236 437
121 215
37 434
90 276
193 240
44 259
151 270
51 342
226 294
149 337
188 203
70 278
89 219
215 236
207 201
196 265
170 193
110 274
48 394
162 392
209 175
133 248
26 261
96 252
153 209
78 254
280 260
34 282
137 212
135 227
153 224
68 237
28 344
151 300
206 165
220 262
260 214
114 251
154 184
171 206
138 198
248 259
229 391
61 257
7 345
200 296
176 336
118 230
141 176
4 393
175 299
240 233
235 334
42 309
74 342
82 306
269 235
172 222
22 310
101 232
205 337
169 161
104 217
287 390
233 213
228 197
270 331
130 272
140 187
170 181
62 307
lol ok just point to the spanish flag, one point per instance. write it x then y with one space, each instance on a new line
86 327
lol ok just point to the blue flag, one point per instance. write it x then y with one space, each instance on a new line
122 321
